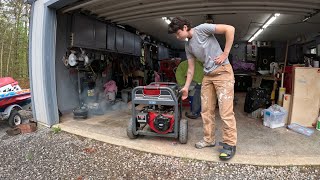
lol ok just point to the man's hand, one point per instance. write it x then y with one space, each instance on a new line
184 92
221 58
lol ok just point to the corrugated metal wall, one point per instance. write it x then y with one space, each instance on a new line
42 66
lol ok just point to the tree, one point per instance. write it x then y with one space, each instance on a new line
14 30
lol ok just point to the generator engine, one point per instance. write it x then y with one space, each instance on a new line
160 120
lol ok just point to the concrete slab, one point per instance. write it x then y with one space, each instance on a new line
257 144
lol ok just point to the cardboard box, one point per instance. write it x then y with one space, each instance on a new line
306 96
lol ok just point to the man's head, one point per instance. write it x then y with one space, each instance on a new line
179 26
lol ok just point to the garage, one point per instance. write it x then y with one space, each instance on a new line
87 56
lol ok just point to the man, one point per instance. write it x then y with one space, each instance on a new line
218 81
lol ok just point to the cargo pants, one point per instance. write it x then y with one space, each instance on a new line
218 86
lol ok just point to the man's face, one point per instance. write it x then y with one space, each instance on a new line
182 34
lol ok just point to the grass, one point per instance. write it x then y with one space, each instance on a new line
29 156
56 129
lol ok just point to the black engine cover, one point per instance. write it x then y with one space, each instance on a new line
161 123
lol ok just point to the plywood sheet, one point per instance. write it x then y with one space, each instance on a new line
306 96
286 106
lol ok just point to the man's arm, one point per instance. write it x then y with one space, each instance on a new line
229 33
190 73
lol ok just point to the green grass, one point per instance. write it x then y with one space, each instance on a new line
56 129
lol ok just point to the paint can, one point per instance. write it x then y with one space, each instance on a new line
318 124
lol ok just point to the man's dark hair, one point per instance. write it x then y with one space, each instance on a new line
178 23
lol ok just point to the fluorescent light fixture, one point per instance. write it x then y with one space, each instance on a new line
269 22
167 20
306 19
251 39
265 25
257 33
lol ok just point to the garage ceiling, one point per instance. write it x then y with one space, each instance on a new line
245 15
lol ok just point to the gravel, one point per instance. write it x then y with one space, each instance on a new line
48 155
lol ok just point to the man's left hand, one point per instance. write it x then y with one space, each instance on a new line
220 59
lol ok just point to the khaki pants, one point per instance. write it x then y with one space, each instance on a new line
219 85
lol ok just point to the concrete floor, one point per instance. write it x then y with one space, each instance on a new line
257 144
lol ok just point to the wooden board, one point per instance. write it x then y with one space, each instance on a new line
306 96
286 106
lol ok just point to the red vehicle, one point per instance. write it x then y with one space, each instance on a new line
12 99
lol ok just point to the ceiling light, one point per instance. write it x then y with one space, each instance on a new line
260 30
306 19
255 35
265 25
167 20
251 39
269 22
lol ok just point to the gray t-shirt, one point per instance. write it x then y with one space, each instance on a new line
204 46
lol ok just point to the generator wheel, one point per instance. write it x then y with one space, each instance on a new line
15 118
130 130
183 131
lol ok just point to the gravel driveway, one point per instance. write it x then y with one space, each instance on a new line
48 155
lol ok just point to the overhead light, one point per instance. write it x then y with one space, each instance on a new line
269 22
310 15
167 20
306 19
265 25
260 30
255 35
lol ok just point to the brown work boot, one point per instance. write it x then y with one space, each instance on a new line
202 144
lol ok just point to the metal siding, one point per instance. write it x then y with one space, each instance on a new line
42 75
56 4
30 60
49 42
67 89
36 66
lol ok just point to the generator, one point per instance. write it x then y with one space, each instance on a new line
161 115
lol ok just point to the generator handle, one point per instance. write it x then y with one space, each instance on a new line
179 94
166 83
171 92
